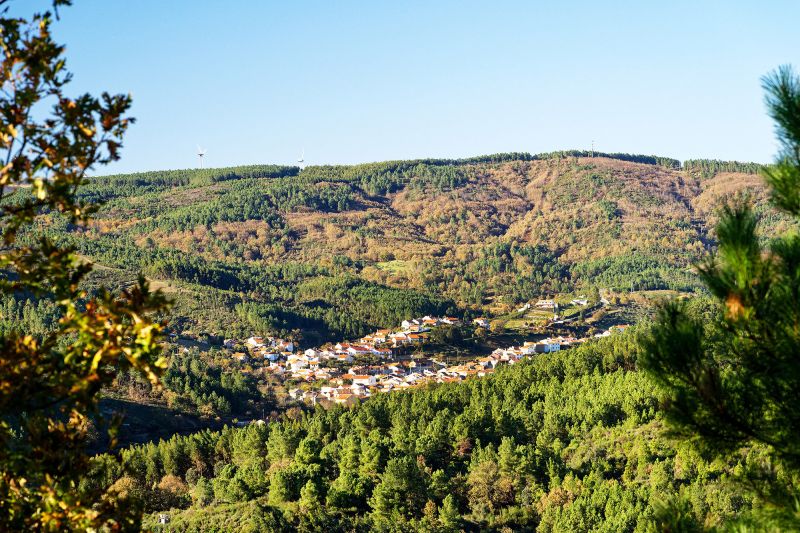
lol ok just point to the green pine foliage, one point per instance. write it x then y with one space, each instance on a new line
104 188
666 162
571 441
730 377
710 167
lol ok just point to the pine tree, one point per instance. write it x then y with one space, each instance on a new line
309 497
401 492
449 515
734 381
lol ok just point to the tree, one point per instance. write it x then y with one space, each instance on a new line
401 492
488 489
735 380
173 492
203 492
49 384
309 497
449 515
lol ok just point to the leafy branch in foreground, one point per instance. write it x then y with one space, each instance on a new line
49 384
733 381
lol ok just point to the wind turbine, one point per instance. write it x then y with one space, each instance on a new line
302 157
200 153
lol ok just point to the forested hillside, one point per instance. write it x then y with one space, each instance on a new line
333 251
572 341
570 441
566 441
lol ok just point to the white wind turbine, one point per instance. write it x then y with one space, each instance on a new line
200 153
302 157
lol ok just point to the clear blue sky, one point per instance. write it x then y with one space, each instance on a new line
257 81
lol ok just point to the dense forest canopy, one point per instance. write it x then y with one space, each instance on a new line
568 442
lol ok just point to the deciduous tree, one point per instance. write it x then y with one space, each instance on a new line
49 384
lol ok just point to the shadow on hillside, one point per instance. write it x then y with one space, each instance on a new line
144 423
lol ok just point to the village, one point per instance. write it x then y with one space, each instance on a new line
384 361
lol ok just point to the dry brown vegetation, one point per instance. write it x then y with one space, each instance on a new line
597 212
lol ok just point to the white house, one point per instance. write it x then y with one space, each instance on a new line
359 350
546 304
365 380
547 346
413 377
393 381
285 346
296 394
529 348
344 358
297 362
482 322
328 392
359 390
383 352
311 397
256 342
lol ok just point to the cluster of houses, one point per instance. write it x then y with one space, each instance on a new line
364 381
283 357
266 348
345 381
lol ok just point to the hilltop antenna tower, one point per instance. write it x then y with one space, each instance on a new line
200 153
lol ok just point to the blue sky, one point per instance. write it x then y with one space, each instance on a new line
257 82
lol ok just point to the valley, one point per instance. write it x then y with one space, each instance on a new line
328 326
237 295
